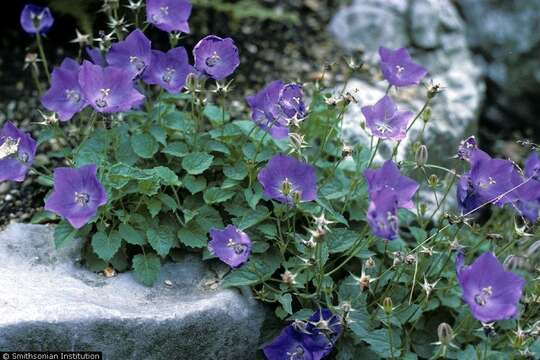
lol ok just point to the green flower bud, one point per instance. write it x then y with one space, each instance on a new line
445 334
388 305
421 155
433 180
426 115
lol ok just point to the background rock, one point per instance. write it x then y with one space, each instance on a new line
48 303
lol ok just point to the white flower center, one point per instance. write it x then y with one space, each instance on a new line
237 247
102 102
82 198
168 74
212 61
482 297
73 95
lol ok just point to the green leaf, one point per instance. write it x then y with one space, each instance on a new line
216 115
106 246
159 134
197 163
154 206
147 267
216 195
177 149
257 270
161 240
178 121
166 176
340 240
194 184
286 301
94 149
144 145
130 235
63 233
236 172
252 218
208 218
252 197
169 201
379 342
193 236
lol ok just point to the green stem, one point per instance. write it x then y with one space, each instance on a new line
43 57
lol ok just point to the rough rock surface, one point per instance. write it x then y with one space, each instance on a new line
49 303
435 36
505 34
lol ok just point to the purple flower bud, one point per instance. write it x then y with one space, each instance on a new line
169 15
17 152
287 180
133 53
230 245
108 89
389 179
215 57
399 69
385 121
169 70
382 215
491 292
466 147
277 105
36 19
77 194
65 95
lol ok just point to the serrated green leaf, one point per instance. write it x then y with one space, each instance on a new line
131 235
208 218
197 163
286 301
147 267
105 246
166 176
144 145
154 206
94 149
216 195
194 184
63 233
193 236
216 115
340 240
169 201
257 270
177 149
179 121
159 134
236 172
161 240
252 218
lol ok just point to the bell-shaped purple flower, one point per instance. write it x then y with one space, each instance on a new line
169 15
77 194
532 166
65 95
36 19
491 292
288 180
169 70
385 121
311 340
108 89
277 105
382 215
488 181
230 245
399 69
215 57
96 56
17 152
528 194
132 54
466 147
389 179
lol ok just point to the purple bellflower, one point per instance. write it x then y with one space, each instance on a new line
36 19
169 70
133 53
399 69
311 340
382 215
491 292
389 179
65 95
488 181
77 194
96 56
385 121
215 57
528 202
466 147
108 89
17 152
230 245
169 15
288 180
277 105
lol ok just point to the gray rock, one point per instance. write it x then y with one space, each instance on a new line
505 35
49 303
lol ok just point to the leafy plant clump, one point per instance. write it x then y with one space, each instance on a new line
353 261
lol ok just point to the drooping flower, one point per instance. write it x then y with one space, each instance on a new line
169 70
230 245
488 181
17 152
36 19
288 180
215 57
169 15
399 69
389 179
96 56
491 292
382 215
311 340
466 147
528 195
77 194
108 89
65 95
133 54
385 121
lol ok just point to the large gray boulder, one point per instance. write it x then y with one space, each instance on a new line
505 35
435 36
49 303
